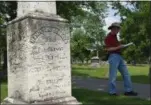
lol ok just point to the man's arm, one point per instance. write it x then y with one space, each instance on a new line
114 48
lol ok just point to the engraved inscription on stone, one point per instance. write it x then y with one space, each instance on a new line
49 34
50 66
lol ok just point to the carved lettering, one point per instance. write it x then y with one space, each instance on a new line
54 49
54 35
46 95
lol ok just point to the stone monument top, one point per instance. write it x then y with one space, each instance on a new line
36 6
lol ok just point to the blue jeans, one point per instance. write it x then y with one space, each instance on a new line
116 62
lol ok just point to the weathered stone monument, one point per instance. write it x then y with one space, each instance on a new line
95 62
38 45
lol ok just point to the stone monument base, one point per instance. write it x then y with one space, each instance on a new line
60 101
47 35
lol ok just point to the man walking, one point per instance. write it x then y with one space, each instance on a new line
116 62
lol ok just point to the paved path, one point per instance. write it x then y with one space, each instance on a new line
102 85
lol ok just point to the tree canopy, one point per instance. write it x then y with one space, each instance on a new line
87 15
135 28
88 20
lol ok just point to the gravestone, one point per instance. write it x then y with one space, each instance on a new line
95 62
39 67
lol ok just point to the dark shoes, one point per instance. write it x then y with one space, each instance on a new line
132 93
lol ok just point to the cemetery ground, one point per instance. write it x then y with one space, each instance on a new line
139 75
93 97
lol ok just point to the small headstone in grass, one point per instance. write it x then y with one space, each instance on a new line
95 62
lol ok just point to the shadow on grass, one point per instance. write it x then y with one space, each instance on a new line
138 65
141 79
94 97
84 71
84 68
3 79
135 78
83 75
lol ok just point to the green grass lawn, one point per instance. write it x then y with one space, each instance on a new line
94 97
139 74
3 91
